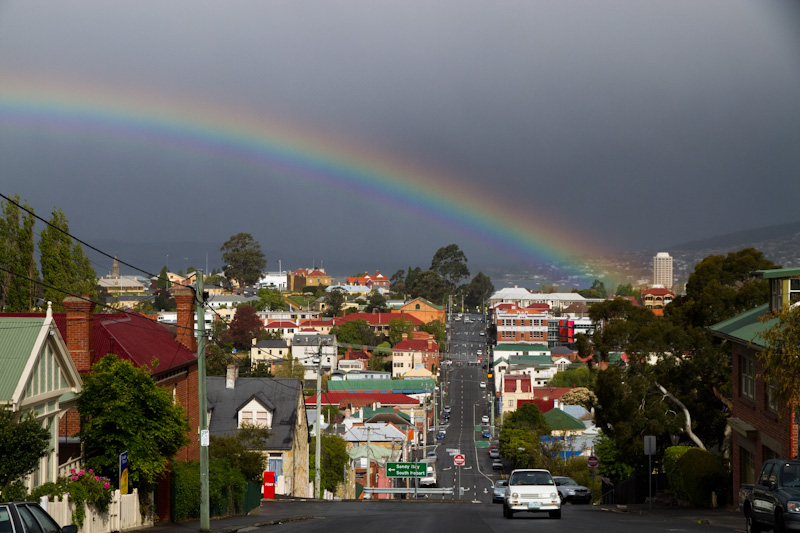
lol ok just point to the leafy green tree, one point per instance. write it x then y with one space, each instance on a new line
23 441
626 289
519 439
375 302
333 461
244 260
478 291
614 464
397 283
573 377
334 301
260 370
18 280
242 450
527 416
428 285
65 268
597 290
580 396
378 363
354 333
450 263
164 301
163 279
244 327
437 329
397 328
217 360
411 277
290 368
780 356
270 299
122 409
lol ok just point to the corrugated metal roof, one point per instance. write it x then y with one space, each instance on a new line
559 420
17 338
744 327
404 386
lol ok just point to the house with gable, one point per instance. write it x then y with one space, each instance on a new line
416 350
276 404
763 428
423 310
39 377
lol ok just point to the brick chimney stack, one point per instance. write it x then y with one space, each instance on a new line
184 298
80 331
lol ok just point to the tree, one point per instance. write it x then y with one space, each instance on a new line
354 333
375 302
243 450
428 285
333 461
573 377
478 290
334 301
23 441
18 280
437 329
580 396
780 357
397 328
271 299
65 268
597 290
122 409
244 260
217 360
626 289
519 437
450 263
290 368
397 283
244 327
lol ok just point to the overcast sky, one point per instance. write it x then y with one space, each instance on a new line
630 125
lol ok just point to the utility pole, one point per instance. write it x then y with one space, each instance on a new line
318 433
205 513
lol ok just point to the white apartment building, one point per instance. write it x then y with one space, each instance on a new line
662 270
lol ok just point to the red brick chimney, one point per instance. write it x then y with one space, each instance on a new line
184 298
80 331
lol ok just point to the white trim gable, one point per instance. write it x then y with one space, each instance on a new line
254 413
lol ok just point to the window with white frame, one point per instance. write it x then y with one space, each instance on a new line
747 373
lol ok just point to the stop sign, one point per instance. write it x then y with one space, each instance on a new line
592 461
458 460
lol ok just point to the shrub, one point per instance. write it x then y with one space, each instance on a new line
674 480
82 487
226 486
701 474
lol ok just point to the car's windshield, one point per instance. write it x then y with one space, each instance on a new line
790 475
530 478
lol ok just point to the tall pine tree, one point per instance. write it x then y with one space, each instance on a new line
18 280
65 267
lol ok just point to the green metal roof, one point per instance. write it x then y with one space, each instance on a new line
558 420
745 327
521 348
777 273
369 412
404 386
544 360
17 338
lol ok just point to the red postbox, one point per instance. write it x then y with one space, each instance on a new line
269 485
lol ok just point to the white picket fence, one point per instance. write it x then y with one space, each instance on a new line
123 514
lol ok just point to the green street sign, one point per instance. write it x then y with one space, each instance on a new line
406 469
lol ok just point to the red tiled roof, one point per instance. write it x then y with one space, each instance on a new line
543 306
416 345
543 405
510 382
280 324
658 292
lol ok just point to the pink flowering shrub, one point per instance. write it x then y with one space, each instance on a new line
81 487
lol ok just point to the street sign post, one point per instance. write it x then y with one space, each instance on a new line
406 469
459 460
593 461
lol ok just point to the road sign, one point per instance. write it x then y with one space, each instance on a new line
406 469
593 461
458 460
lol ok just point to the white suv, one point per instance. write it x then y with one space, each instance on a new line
531 490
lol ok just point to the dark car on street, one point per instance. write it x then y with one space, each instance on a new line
29 517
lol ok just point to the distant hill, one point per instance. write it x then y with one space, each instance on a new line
741 239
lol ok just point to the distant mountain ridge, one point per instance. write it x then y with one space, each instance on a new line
744 238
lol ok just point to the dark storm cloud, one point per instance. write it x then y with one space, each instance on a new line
638 124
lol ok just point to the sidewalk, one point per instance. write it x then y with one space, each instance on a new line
720 517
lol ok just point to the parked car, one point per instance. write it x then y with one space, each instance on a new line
440 435
497 464
531 490
447 409
571 491
494 453
482 384
487 434
431 454
772 501
29 517
499 490
485 419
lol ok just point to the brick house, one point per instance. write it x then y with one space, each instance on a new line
172 357
423 310
762 427
418 350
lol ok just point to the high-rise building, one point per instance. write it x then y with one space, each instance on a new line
662 270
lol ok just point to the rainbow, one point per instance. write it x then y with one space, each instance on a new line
181 124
